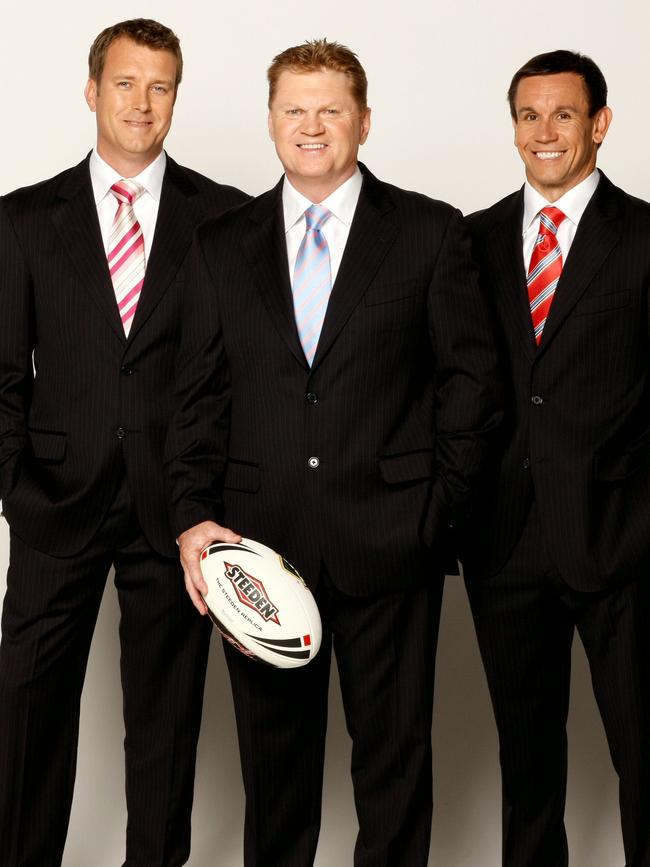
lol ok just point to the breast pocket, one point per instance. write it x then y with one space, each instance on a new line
392 306
603 303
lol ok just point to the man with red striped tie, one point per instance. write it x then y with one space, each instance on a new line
562 542
91 284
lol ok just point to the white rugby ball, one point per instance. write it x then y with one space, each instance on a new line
259 603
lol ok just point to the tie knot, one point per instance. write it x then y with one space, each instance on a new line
316 216
127 191
550 220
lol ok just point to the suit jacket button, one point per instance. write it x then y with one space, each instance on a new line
127 369
311 397
313 463
537 400
120 433
525 464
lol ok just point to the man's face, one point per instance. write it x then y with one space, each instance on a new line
555 137
134 102
317 127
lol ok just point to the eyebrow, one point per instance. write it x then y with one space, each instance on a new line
127 77
557 108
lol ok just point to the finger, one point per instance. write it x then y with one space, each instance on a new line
196 576
195 596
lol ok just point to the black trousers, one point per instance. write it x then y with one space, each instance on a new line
48 619
385 650
525 619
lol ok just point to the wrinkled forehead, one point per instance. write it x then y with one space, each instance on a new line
560 90
314 88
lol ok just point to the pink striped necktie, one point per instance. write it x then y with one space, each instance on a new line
126 252
545 268
312 280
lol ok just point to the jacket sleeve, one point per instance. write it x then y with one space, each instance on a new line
196 447
468 386
16 346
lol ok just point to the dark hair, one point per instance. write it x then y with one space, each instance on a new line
142 31
317 54
555 62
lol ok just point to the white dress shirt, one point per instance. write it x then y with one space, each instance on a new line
103 177
572 204
342 203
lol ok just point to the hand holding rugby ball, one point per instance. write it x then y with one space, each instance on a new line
259 603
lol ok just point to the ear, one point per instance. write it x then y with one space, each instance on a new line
602 121
365 125
270 123
514 128
90 92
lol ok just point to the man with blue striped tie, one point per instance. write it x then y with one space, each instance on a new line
339 347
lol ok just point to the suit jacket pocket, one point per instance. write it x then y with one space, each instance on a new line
47 446
602 303
242 476
616 468
387 292
405 468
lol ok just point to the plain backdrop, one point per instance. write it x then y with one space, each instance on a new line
438 75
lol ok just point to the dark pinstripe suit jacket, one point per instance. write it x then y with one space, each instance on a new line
397 407
98 401
577 436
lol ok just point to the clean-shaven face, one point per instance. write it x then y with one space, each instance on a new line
555 137
133 102
317 127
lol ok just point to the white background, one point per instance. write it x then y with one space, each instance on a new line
438 75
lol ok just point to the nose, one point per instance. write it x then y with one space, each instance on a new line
312 123
141 99
545 130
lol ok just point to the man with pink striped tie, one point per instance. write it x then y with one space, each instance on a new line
92 278
562 543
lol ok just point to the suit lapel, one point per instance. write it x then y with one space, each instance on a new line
372 234
504 252
265 248
75 219
173 235
598 233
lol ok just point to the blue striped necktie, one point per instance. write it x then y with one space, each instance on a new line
312 280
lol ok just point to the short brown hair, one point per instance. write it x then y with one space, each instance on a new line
556 62
317 54
142 31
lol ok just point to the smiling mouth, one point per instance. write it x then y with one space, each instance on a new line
307 146
549 155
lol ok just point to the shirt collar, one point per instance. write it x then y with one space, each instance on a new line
103 176
342 202
572 203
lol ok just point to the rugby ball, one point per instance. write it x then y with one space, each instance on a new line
260 604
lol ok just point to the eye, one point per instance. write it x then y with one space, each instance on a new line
564 115
124 85
160 89
331 112
293 112
530 116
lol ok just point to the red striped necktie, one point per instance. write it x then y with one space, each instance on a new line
126 252
545 268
